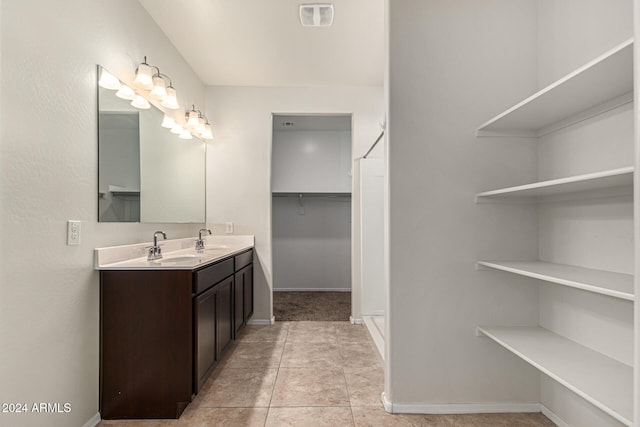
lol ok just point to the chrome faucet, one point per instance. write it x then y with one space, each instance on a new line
200 242
155 252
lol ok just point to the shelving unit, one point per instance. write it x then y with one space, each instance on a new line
601 380
598 86
615 285
622 177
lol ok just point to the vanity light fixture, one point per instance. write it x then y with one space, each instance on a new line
171 100
159 90
108 80
207 134
168 122
140 102
144 76
192 118
125 92
204 128
157 84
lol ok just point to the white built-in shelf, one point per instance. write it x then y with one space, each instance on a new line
600 85
616 285
601 380
310 195
622 177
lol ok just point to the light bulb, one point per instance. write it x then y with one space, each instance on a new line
108 80
159 90
144 77
185 135
168 122
140 102
170 101
125 92
177 129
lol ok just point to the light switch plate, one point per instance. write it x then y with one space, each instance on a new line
229 228
73 232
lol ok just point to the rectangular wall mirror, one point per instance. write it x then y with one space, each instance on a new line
145 172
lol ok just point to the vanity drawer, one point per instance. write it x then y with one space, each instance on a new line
244 259
207 277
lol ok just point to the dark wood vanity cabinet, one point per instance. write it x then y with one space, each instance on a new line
146 357
210 317
243 289
162 333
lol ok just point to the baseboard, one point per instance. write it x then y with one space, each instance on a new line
355 321
312 290
261 322
94 421
458 408
386 403
553 417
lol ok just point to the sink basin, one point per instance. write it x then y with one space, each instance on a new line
215 247
179 258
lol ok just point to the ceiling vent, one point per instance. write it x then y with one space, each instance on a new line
316 15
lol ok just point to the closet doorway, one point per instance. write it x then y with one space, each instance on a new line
311 184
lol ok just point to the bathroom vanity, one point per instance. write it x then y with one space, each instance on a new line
165 324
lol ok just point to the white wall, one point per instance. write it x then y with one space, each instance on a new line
572 32
239 160
311 161
311 251
49 291
452 65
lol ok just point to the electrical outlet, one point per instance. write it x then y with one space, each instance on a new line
73 232
229 228
301 210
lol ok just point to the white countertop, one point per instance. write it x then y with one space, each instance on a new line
177 254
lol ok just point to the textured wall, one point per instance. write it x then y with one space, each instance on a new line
49 291
454 64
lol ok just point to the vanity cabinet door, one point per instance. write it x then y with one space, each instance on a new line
224 315
204 311
238 296
248 292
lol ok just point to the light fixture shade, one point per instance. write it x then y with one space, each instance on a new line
125 92
140 102
177 129
159 90
192 119
185 135
144 77
168 122
108 80
170 101
207 134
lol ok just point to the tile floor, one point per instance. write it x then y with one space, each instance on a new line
307 374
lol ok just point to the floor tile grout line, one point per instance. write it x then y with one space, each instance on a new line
275 381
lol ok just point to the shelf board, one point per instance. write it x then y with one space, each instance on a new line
606 78
601 380
622 177
309 195
616 285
